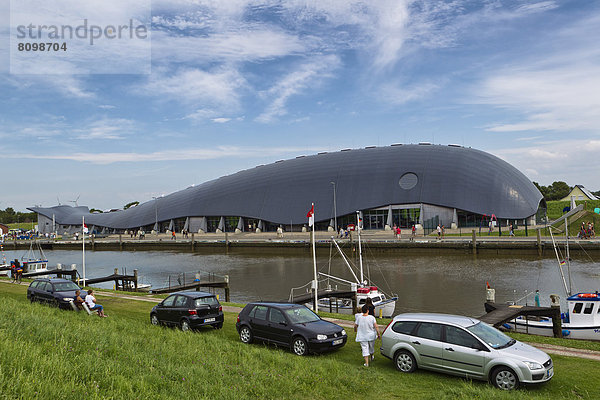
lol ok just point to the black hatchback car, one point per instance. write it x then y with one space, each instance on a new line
188 310
57 292
291 325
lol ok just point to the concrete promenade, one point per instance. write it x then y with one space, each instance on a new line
376 240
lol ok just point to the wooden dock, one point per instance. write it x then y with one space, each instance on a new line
498 314
60 273
327 294
195 281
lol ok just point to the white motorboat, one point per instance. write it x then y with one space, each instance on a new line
581 321
34 260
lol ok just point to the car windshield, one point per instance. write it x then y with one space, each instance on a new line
65 286
211 301
301 315
491 336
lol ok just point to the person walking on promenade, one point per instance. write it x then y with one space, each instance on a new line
439 232
413 233
367 331
173 237
511 231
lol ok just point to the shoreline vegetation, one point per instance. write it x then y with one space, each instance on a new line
49 353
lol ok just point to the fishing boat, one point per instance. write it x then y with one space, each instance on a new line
362 285
581 318
34 260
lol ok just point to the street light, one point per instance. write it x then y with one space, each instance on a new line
334 207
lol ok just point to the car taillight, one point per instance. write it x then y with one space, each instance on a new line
192 312
386 327
238 319
220 308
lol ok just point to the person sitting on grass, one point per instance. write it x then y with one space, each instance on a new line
78 300
91 302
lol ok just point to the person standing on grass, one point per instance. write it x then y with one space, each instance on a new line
367 331
371 307
90 300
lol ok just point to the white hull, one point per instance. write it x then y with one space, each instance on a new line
544 328
386 307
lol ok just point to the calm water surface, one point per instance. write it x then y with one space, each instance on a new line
450 284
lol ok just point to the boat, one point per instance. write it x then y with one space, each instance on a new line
580 320
364 288
34 260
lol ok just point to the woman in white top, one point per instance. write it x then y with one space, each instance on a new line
367 331
90 300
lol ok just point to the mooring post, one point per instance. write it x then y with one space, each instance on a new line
226 240
116 271
135 279
539 241
93 242
474 241
354 304
120 242
227 288
192 242
556 321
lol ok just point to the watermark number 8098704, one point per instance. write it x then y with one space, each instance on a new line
43 46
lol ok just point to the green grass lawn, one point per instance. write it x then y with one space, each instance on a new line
46 353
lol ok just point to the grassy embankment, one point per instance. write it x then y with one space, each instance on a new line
49 353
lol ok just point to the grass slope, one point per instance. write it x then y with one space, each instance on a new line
46 353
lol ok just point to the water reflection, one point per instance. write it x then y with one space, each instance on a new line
451 284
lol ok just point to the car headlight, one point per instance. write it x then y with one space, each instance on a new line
321 337
67 299
533 365
343 332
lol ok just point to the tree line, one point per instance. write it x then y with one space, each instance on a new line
9 216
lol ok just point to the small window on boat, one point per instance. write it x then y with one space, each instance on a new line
362 301
588 308
577 308
376 299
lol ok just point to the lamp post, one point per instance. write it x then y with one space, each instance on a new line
156 214
334 207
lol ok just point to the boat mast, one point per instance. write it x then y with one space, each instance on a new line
562 275
359 227
568 256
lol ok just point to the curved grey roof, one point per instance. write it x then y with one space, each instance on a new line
282 192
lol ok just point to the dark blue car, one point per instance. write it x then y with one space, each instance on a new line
188 310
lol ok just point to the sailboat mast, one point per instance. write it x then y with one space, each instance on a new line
568 255
83 245
359 227
562 275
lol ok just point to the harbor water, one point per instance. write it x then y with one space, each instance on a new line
447 284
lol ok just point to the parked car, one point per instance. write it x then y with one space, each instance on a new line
188 310
57 292
291 325
463 346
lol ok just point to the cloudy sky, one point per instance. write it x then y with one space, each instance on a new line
232 84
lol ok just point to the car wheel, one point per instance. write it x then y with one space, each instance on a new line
299 346
405 361
246 335
218 326
505 378
54 303
185 325
154 320
32 299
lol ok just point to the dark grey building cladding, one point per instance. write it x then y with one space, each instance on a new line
452 177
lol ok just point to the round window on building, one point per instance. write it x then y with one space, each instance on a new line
408 181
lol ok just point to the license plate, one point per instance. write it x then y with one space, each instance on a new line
336 342
209 320
550 372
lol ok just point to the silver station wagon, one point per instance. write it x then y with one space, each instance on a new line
465 347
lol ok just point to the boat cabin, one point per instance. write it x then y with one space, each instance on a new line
369 291
584 309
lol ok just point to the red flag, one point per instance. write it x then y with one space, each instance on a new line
311 215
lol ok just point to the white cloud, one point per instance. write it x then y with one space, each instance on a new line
306 76
170 155
221 120
106 106
107 129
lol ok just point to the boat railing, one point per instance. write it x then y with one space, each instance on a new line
527 294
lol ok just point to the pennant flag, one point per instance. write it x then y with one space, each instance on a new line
487 284
311 215
85 228
562 262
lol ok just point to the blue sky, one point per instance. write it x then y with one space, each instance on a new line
235 84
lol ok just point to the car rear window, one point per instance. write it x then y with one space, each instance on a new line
210 300
34 284
428 330
404 327
259 312
65 286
